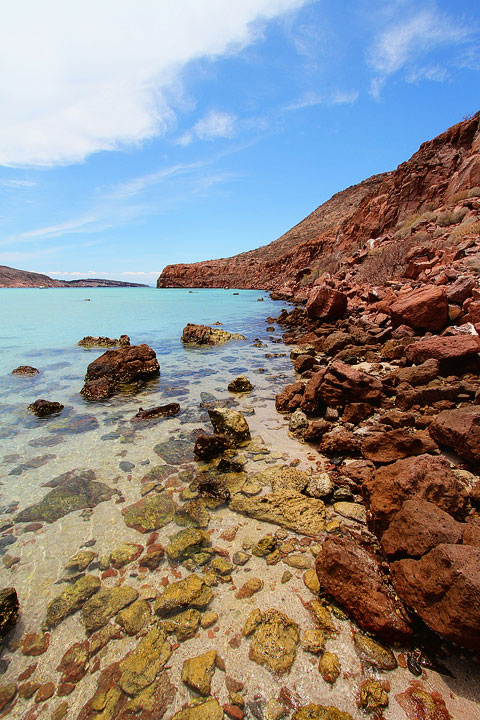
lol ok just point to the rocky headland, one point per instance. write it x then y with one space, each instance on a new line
13 278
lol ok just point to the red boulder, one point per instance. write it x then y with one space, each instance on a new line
325 303
343 383
423 309
459 429
130 364
444 348
418 527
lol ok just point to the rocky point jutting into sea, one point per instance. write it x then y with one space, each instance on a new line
288 526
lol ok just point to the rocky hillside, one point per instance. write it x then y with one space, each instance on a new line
13 278
386 207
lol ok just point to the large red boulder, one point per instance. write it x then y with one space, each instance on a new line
418 527
425 476
130 364
443 587
325 303
459 429
461 289
343 384
290 397
391 445
311 399
451 348
423 309
352 576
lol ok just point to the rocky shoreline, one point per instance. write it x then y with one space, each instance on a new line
257 576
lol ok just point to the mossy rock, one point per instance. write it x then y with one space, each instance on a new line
140 667
98 610
274 639
175 451
150 513
186 543
320 712
71 599
192 591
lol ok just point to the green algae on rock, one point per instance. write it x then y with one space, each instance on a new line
372 696
329 667
208 710
125 554
313 641
193 513
140 667
197 672
230 423
192 591
107 602
184 625
9 607
320 712
150 513
133 618
71 599
274 639
186 543
287 508
240 384
75 490
80 561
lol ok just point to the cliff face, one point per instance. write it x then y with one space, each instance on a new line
13 278
441 168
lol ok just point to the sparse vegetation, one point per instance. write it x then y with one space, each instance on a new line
451 217
386 263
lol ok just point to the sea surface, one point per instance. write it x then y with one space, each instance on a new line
99 440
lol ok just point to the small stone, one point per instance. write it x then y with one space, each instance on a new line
98 610
101 638
7 693
322 616
44 408
233 711
286 577
208 710
186 543
310 578
240 557
329 667
28 689
133 618
74 663
313 641
274 640
249 588
208 619
301 561
125 554
25 370
150 513
60 711
192 591
9 607
71 599
320 712
241 384
237 699
264 546
274 710
185 624
372 696
221 566
373 653
354 511
81 560
197 672
45 691
35 643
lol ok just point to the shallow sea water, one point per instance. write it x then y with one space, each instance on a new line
41 328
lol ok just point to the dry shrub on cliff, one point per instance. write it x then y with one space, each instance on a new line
465 230
327 263
408 225
386 263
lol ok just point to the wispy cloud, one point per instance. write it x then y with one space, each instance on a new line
212 126
90 76
17 184
311 98
405 42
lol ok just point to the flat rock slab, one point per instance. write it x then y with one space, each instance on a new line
175 451
287 508
150 513
71 599
106 603
208 710
443 348
191 592
74 491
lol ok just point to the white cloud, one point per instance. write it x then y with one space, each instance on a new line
81 77
404 42
310 99
17 184
434 73
212 126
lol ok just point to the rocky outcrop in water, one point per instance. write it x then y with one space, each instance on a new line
133 364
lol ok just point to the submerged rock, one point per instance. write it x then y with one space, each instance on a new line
9 607
129 364
208 710
44 408
205 335
71 599
102 341
240 384
160 411
150 513
175 451
372 696
25 370
184 625
80 561
186 543
140 667
287 508
74 490
106 603
274 639
320 712
373 653
197 672
192 592
231 424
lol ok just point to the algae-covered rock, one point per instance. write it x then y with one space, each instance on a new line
320 712
284 477
274 640
301 561
192 591
80 561
240 384
287 508
221 566
71 599
322 616
264 546
175 451
193 514
150 513
105 604
373 653
313 641
310 578
184 625
372 696
125 554
230 423
133 618
197 672
140 667
208 710
72 491
329 667
9 607
186 543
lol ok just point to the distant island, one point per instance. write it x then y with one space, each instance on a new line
13 278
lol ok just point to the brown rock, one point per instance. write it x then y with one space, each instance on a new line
205 335
356 412
386 447
311 399
352 576
424 309
343 383
128 364
74 663
35 643
425 476
25 370
460 290
325 303
304 362
447 349
459 429
44 408
416 375
418 527
45 691
340 442
290 397
209 446
160 411
443 587
316 429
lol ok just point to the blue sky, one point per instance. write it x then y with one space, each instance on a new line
138 134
